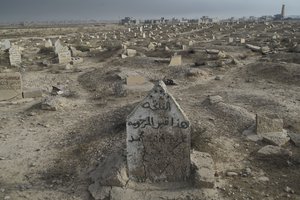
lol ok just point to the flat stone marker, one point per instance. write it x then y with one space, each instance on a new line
158 139
10 86
176 60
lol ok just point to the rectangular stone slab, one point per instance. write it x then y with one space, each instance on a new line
10 86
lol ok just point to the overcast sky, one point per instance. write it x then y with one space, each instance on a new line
24 10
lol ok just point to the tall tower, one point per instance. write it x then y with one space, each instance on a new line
283 11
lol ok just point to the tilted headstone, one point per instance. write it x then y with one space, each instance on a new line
15 56
158 139
10 86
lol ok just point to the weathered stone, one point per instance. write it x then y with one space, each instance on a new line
64 55
215 99
276 138
158 139
268 123
48 43
112 172
204 170
253 47
265 50
131 52
100 193
50 104
5 44
10 86
295 138
33 93
57 46
135 79
270 152
212 51
119 89
175 60
15 56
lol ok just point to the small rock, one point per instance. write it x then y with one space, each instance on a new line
263 179
289 190
231 174
295 138
218 78
215 99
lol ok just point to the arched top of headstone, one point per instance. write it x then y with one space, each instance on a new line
161 101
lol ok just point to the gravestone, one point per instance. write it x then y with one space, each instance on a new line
48 43
158 139
64 55
15 56
10 86
175 60
4 45
57 46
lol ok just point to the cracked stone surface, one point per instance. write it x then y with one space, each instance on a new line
158 139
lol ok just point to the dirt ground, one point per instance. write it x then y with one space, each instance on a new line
49 154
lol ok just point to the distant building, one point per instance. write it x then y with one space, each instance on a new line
129 20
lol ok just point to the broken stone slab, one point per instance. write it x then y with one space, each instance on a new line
112 172
276 138
253 47
33 93
50 104
10 86
295 138
266 123
203 170
274 152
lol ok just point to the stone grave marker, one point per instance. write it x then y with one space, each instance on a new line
15 56
176 60
48 43
57 46
5 44
10 86
158 139
64 55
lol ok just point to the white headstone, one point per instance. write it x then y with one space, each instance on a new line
15 56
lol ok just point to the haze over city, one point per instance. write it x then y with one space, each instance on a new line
41 10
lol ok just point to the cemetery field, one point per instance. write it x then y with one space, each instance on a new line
67 93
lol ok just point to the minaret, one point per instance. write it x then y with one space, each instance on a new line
283 11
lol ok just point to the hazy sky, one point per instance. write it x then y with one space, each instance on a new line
23 10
